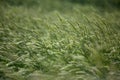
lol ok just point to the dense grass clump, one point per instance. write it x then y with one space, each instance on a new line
58 40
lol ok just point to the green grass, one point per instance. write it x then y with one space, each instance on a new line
59 40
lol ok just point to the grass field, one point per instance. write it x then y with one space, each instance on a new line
59 40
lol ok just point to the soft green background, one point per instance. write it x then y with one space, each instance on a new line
59 40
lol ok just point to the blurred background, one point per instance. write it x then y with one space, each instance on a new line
99 3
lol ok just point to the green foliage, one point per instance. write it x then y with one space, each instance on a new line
59 40
99 3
